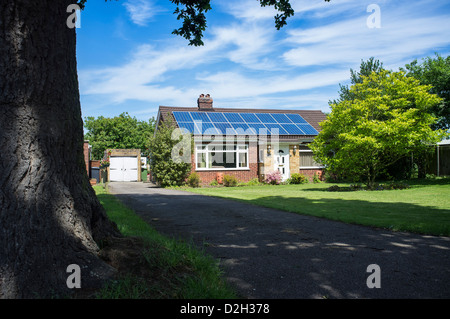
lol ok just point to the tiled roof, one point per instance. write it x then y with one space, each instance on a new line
313 117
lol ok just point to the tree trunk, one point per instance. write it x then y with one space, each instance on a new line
50 217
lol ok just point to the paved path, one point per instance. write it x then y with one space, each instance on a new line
266 253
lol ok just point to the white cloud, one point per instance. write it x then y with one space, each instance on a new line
247 63
140 11
349 41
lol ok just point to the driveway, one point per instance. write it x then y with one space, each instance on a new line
267 253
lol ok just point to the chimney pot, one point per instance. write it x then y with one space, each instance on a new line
205 102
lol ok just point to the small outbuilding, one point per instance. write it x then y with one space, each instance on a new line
125 165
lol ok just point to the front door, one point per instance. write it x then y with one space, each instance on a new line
282 162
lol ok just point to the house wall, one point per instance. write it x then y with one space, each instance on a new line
257 169
267 165
309 173
86 156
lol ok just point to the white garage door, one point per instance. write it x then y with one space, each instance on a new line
123 169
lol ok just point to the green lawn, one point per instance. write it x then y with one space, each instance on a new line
423 208
168 268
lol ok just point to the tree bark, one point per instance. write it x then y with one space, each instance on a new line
49 214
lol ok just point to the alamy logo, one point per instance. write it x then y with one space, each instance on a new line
74 19
374 280
374 20
74 280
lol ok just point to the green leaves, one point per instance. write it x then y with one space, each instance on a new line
194 19
166 148
192 13
436 73
387 118
122 131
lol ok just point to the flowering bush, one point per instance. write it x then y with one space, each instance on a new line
104 163
273 178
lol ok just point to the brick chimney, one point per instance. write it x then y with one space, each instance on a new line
205 102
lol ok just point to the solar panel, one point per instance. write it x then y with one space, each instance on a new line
276 129
225 128
265 118
234 123
233 117
258 128
293 129
200 116
281 118
217 117
207 128
250 118
182 116
242 129
297 119
308 129
187 127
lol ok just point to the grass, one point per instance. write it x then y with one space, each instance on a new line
163 267
423 208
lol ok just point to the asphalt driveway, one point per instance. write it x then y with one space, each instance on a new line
267 253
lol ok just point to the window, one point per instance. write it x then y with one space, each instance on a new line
306 158
221 157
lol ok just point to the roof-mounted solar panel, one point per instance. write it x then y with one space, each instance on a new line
276 129
308 129
182 116
234 123
265 118
217 117
225 128
293 129
281 118
297 119
250 118
200 116
234 117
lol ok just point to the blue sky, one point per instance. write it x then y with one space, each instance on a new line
128 60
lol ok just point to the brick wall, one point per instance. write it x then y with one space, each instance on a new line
86 156
309 173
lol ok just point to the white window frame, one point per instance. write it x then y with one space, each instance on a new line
307 167
208 150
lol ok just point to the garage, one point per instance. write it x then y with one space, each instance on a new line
124 165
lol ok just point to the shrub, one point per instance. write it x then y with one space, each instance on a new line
316 179
253 182
193 180
229 181
214 183
356 187
273 178
396 185
297 178
170 170
334 188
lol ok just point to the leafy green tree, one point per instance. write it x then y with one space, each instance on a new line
386 120
365 69
122 131
170 155
435 72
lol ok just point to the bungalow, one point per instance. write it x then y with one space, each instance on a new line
247 143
